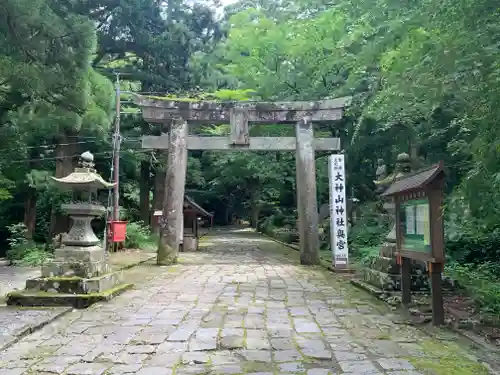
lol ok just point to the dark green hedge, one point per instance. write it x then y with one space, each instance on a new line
475 248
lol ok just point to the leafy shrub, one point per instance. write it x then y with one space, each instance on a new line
138 236
266 224
287 235
480 281
365 255
23 251
17 240
35 256
475 248
370 227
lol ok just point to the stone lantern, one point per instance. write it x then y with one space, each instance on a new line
80 273
403 167
383 271
81 253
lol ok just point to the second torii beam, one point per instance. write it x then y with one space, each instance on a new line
254 143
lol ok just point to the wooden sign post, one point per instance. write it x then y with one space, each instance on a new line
420 230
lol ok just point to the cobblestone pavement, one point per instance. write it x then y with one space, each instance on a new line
240 306
16 323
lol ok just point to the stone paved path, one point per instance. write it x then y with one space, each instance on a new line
14 277
240 306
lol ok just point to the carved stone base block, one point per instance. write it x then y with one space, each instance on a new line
86 262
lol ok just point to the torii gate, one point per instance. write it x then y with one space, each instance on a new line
239 114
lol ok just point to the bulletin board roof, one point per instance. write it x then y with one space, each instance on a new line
415 181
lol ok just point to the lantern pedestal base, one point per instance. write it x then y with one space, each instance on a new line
75 291
78 276
78 261
30 298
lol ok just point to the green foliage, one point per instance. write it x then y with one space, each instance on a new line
35 256
420 83
5 186
139 236
481 281
38 179
368 232
365 255
474 247
369 229
280 225
17 239
23 251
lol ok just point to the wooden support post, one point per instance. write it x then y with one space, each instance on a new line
307 206
175 179
406 280
195 226
435 270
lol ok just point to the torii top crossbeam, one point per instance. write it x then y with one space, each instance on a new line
157 110
240 115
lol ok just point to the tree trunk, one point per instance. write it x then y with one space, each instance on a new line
255 216
227 215
144 182
30 213
256 206
66 151
30 202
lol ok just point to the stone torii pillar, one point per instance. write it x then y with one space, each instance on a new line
307 206
239 115
173 202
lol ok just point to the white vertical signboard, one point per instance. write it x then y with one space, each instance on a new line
338 210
